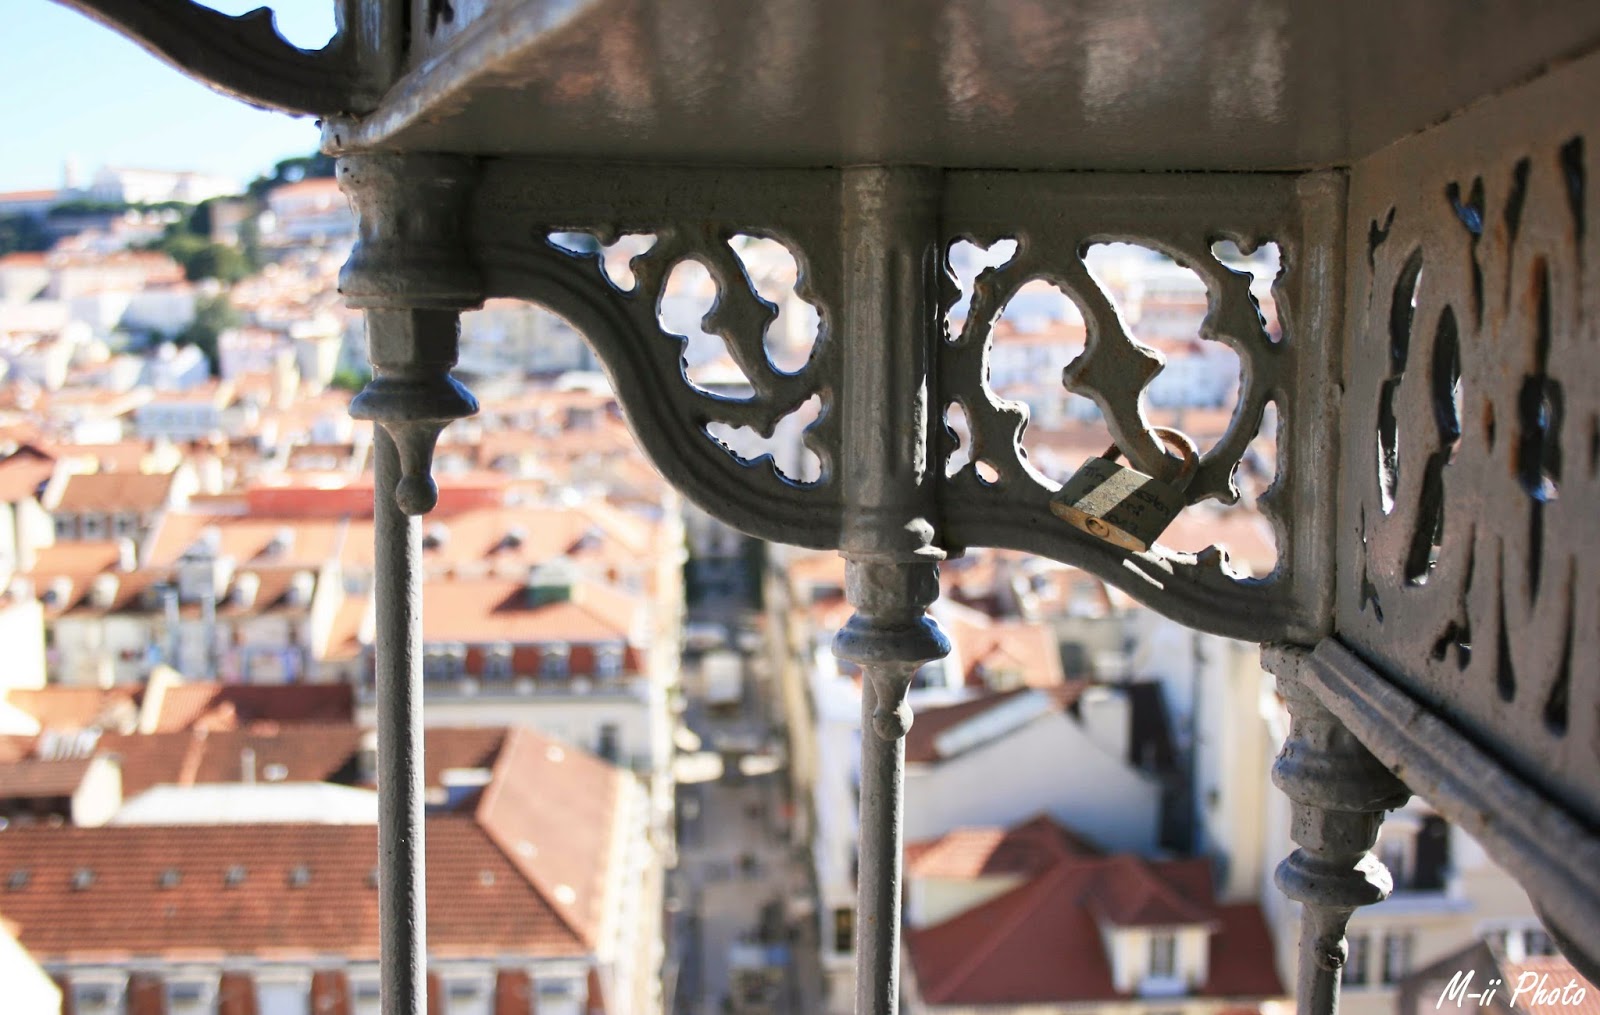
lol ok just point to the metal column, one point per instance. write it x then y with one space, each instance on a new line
890 317
402 905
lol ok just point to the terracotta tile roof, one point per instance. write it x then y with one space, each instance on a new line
115 491
1129 895
1241 955
23 473
1560 972
526 871
994 651
494 610
1041 942
922 740
32 779
550 809
16 746
308 753
507 541
345 633
1027 849
183 706
479 904
282 542
77 708
74 560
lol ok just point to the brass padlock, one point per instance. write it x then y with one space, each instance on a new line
1122 505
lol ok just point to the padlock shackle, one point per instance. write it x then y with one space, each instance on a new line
1178 441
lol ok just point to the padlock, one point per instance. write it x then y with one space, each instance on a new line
1122 505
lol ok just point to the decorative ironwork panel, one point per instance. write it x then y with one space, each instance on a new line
1471 446
1054 219
523 209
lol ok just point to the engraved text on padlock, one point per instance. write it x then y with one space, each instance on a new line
1122 505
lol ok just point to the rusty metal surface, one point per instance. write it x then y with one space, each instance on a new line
1470 452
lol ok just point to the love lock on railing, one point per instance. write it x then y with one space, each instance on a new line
1120 504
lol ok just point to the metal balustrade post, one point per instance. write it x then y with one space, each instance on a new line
890 321
397 647
410 273
1339 794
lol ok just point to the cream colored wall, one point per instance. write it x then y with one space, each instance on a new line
22 634
571 718
99 795
935 900
28 990
1048 765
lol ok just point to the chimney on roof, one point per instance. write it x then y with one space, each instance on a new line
301 585
246 585
127 555
367 759
282 542
550 582
58 592
437 535
103 591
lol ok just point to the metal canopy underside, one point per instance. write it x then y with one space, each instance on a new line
1092 84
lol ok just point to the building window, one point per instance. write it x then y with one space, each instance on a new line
608 661
1164 955
366 996
466 995
607 745
99 997
497 662
557 997
1396 956
1357 960
554 662
191 997
844 930
285 995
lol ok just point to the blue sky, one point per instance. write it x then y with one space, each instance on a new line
71 87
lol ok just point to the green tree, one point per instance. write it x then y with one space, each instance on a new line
350 378
292 170
212 316
22 234
214 260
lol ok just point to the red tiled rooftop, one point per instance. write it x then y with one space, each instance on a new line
922 740
23 473
33 779
115 491
479 903
1041 942
525 872
1026 849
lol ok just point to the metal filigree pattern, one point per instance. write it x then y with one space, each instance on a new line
1471 447
693 214
1472 438
669 414
1181 217
245 57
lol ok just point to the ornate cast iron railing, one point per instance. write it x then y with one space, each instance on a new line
1435 612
